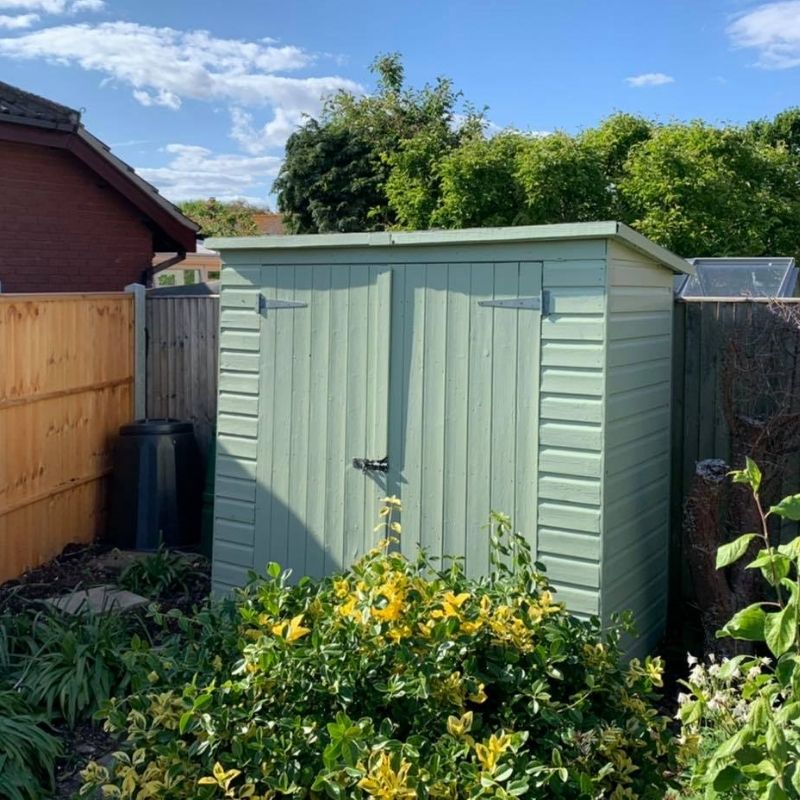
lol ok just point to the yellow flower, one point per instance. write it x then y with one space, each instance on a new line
489 754
458 726
392 501
291 631
341 587
383 782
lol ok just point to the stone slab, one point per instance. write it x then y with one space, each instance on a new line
97 600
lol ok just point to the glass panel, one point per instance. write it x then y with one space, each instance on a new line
739 280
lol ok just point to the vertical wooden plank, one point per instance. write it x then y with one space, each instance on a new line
336 460
414 341
479 435
432 427
300 448
263 551
527 405
316 467
456 417
355 538
503 359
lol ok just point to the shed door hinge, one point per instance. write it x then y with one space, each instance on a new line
265 304
540 303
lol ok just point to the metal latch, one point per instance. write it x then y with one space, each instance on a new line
372 464
264 304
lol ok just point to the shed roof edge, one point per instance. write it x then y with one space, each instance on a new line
523 233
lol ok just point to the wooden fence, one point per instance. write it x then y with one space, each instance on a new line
66 385
182 360
704 332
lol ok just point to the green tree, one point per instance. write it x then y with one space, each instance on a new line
217 218
561 180
478 183
335 174
706 191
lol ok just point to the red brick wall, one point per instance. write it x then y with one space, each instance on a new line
61 229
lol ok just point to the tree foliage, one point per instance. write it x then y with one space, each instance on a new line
404 158
217 218
336 169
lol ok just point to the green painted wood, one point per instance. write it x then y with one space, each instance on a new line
555 419
323 386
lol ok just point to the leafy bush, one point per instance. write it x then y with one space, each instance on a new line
397 680
28 751
741 721
156 575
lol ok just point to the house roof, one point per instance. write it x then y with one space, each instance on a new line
37 120
523 233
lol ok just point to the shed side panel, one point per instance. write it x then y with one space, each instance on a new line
571 428
637 457
237 426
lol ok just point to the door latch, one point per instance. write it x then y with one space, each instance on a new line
372 464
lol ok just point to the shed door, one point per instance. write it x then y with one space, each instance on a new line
323 402
465 400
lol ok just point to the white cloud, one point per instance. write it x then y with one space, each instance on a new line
17 21
195 172
164 65
273 134
773 30
53 6
649 79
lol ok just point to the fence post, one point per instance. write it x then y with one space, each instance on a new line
139 350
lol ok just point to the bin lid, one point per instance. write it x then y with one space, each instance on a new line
150 427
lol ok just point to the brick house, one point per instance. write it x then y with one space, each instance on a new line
73 217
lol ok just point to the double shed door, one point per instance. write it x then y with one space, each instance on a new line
433 370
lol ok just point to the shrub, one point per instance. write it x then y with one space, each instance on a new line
741 720
74 663
163 572
28 751
397 680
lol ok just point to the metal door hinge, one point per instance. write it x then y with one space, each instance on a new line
540 303
265 304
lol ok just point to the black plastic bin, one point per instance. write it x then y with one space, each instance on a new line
156 486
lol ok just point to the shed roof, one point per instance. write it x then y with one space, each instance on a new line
523 233
37 120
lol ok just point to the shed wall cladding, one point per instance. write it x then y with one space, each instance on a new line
559 418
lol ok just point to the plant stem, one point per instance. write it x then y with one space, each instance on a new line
770 549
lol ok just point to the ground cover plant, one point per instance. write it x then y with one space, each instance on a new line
741 716
394 679
57 669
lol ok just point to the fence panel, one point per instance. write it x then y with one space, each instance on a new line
182 360
66 385
704 331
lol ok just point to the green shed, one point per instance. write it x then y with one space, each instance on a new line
524 370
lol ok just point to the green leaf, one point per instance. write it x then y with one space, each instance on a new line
750 475
791 549
726 778
774 566
183 724
780 629
788 508
747 624
733 551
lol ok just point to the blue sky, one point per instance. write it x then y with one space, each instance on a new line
200 96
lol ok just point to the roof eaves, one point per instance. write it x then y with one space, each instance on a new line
104 151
